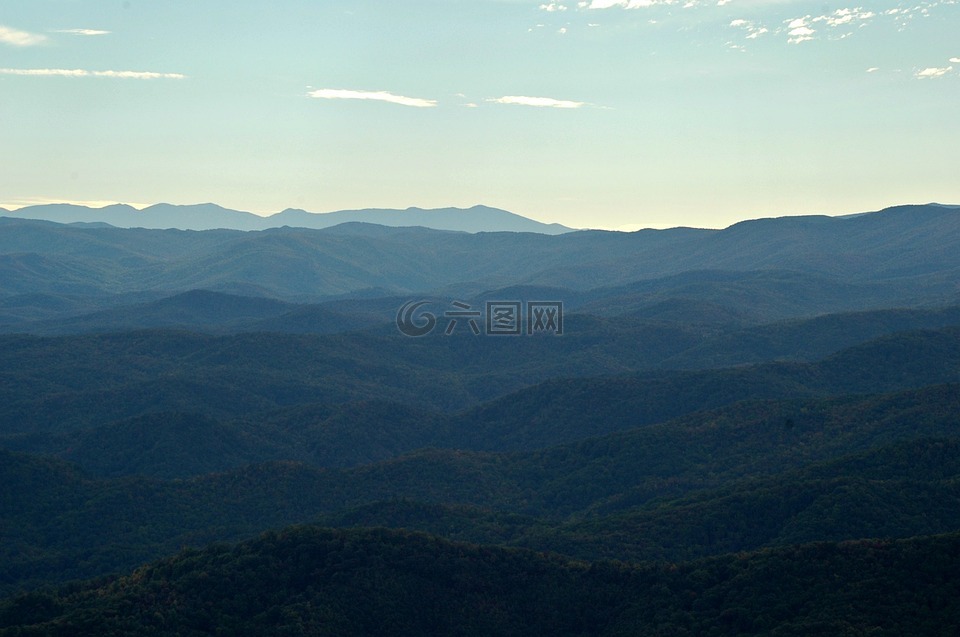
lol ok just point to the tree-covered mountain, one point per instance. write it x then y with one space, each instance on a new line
164 402
768 412
197 310
916 266
754 474
711 302
314 581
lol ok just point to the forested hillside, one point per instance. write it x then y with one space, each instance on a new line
309 581
753 430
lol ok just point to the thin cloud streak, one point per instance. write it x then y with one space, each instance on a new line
543 102
124 75
625 4
15 37
377 96
83 31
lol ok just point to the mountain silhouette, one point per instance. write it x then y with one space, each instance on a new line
209 216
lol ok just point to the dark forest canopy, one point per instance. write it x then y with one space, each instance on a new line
753 430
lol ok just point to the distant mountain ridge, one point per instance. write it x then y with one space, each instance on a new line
209 216
908 250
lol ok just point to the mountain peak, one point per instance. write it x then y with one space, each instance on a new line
209 216
477 218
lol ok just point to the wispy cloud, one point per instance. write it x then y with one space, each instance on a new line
139 75
467 103
955 60
804 29
933 71
82 31
378 96
798 30
838 24
124 75
842 17
545 102
625 4
15 37
753 30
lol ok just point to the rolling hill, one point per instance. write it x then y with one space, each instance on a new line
761 473
310 581
750 430
295 264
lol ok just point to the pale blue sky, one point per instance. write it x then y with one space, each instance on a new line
613 114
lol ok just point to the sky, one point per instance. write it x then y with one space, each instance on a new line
617 114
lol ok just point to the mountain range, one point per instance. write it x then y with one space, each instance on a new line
898 256
209 216
746 431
